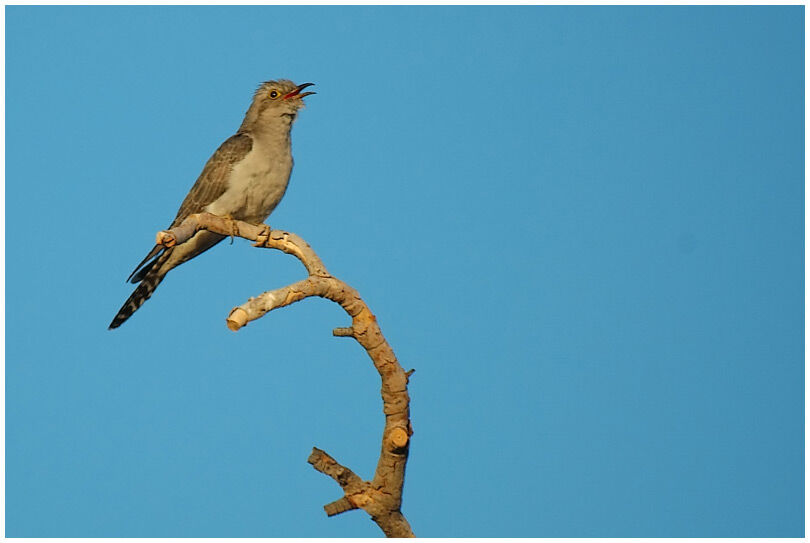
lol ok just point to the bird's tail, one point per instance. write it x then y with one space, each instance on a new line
150 281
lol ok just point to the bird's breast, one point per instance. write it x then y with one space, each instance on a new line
256 185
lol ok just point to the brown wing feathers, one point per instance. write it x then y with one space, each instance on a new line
214 178
210 185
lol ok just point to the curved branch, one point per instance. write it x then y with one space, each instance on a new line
382 496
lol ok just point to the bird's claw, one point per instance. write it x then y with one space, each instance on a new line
234 228
263 237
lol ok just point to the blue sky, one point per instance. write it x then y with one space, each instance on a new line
583 227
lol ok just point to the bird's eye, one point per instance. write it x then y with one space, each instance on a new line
274 94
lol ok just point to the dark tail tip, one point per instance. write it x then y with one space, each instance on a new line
121 317
142 293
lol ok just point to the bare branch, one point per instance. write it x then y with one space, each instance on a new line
382 496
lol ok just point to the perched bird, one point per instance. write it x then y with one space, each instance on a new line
244 179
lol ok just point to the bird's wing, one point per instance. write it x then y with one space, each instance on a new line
209 186
214 178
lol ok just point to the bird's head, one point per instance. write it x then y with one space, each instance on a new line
275 102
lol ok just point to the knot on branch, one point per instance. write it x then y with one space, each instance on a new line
398 439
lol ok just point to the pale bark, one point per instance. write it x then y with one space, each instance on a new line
380 497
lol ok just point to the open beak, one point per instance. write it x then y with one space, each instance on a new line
297 92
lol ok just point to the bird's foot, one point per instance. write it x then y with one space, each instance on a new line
263 237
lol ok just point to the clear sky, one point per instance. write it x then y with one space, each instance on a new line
583 227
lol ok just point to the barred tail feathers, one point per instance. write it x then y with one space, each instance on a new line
143 292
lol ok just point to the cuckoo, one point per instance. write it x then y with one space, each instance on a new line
244 179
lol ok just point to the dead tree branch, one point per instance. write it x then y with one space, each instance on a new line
382 496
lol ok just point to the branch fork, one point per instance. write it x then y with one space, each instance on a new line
381 497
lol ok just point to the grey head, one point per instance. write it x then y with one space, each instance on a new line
275 105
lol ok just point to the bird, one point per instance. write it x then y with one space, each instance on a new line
245 179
